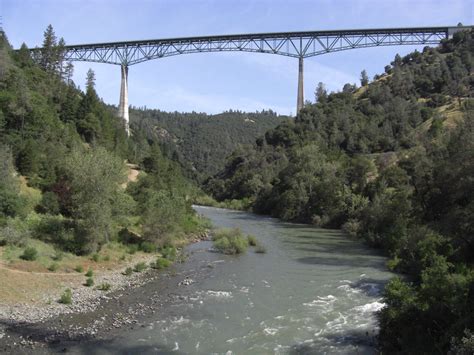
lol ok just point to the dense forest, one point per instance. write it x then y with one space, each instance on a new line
392 163
63 172
201 142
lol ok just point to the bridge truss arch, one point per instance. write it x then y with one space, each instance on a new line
290 44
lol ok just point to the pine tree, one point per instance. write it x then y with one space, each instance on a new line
90 80
48 52
321 93
68 72
364 79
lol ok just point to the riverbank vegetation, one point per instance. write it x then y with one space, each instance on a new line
232 241
76 191
392 163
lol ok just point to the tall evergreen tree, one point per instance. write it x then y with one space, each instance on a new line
364 79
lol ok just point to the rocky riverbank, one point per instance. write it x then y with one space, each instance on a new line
94 315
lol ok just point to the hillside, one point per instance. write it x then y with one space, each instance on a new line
391 163
202 142
65 198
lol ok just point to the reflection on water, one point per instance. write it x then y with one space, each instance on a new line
314 291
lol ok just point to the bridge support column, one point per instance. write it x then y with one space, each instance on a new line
300 100
123 103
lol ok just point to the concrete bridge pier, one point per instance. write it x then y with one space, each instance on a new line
300 100
123 103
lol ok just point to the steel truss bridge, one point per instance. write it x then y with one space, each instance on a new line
291 44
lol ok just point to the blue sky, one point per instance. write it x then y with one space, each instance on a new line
214 82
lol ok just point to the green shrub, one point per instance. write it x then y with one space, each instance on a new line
168 252
147 247
128 271
252 240
89 273
260 249
66 297
89 282
229 241
104 286
139 267
351 227
29 254
79 269
132 249
95 257
58 255
106 258
49 203
160 263
53 267
11 234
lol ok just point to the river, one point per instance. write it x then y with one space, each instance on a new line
314 291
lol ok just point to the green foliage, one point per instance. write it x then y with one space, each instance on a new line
49 203
89 273
66 297
229 241
93 175
128 271
95 257
79 269
53 267
168 252
139 267
209 138
252 241
29 254
160 263
89 282
105 286
147 247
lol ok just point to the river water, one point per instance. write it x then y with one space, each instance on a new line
314 291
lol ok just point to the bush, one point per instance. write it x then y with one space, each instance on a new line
58 255
66 297
89 273
128 271
260 249
168 252
29 254
106 258
89 282
14 233
147 247
160 263
53 267
252 240
104 286
95 257
79 269
49 203
351 227
139 267
229 241
132 249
